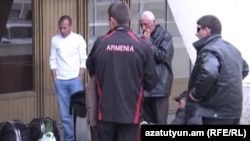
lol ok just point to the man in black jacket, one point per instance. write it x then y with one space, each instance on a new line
215 84
124 66
156 101
180 115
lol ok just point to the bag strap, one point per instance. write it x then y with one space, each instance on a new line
42 127
17 131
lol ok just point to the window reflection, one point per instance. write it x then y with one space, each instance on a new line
19 33
16 46
98 19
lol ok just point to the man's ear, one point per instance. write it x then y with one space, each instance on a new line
208 30
113 21
110 18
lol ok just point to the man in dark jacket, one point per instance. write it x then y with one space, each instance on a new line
180 115
124 66
215 84
156 101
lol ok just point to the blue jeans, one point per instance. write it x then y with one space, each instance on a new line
64 89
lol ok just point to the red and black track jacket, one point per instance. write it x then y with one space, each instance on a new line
124 66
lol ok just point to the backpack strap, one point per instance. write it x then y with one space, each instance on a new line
17 131
42 127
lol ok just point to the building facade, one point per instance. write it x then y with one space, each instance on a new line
26 86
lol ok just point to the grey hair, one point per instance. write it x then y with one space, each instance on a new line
150 15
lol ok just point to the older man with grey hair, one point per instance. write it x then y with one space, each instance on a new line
156 101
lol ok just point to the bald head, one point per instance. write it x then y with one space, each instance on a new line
148 14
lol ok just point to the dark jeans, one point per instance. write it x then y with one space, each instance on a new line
213 121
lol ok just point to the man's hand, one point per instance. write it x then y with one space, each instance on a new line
182 103
53 72
81 74
146 34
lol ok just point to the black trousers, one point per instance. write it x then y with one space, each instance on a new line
213 121
93 133
109 131
155 110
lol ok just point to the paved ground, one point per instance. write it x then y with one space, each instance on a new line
83 134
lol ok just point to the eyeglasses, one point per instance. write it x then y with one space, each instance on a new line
199 28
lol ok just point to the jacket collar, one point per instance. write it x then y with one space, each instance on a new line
157 31
203 41
122 28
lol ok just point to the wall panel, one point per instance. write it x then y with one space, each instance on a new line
21 108
179 85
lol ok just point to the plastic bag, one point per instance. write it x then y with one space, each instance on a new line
48 137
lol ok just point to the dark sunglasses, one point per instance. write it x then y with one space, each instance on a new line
199 28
